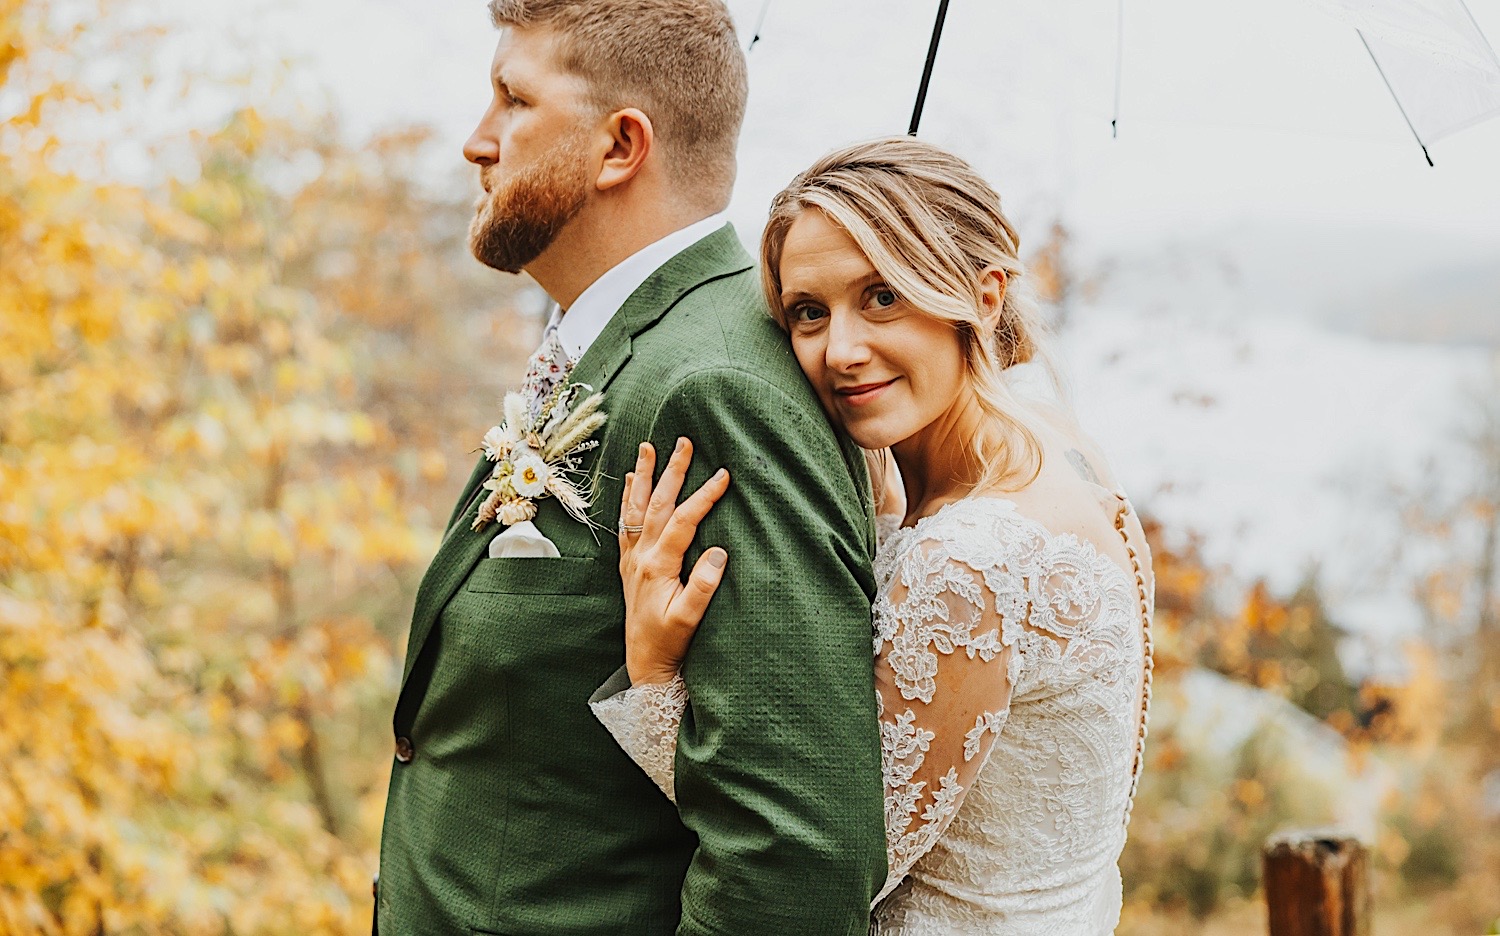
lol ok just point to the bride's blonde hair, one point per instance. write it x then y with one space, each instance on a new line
931 225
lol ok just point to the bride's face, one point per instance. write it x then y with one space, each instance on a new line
883 370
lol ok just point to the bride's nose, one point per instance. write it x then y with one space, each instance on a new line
848 342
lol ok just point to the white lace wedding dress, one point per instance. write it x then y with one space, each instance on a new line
1013 666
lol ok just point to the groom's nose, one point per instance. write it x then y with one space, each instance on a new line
482 148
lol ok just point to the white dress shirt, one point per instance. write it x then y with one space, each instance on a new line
595 306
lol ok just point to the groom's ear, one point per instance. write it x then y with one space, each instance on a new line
632 139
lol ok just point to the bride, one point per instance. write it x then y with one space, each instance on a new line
1012 624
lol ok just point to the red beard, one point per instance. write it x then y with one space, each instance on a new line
518 219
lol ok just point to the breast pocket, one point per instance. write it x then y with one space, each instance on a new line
531 576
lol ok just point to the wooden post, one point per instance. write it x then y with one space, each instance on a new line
1317 884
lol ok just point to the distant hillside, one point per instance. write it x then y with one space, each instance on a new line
1457 304
1285 445
1380 282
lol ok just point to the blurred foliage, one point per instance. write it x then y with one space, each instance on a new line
1425 744
229 414
1208 814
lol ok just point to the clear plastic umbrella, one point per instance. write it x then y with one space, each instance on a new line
1437 64
1435 60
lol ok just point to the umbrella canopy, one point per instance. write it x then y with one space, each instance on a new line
1431 54
1263 110
1440 69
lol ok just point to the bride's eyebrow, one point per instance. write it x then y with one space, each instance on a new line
861 283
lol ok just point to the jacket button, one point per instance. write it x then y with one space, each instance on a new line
404 751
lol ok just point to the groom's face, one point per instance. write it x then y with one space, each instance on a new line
532 152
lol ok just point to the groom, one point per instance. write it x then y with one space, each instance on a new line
607 159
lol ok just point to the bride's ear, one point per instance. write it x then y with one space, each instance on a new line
992 284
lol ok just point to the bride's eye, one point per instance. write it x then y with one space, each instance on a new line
882 297
807 313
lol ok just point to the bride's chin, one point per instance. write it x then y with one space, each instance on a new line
868 437
861 432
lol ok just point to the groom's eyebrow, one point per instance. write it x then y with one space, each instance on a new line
507 82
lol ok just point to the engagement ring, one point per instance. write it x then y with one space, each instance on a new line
626 528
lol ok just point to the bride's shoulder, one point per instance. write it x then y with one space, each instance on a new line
975 530
1066 437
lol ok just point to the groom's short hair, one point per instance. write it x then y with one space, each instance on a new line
679 61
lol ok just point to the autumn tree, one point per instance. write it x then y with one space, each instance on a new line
225 443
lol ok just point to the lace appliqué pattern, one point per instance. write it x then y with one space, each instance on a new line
1018 654
644 721
1012 666
941 610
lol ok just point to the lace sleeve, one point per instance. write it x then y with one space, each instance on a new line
942 671
644 720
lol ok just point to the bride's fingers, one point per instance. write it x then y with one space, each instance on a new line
625 541
688 607
668 486
633 514
683 525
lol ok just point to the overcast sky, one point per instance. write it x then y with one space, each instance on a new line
1258 134
1264 117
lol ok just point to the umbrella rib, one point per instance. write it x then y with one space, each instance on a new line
759 22
932 48
1114 122
1392 90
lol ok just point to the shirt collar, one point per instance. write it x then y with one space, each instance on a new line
597 304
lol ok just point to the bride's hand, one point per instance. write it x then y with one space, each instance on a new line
661 613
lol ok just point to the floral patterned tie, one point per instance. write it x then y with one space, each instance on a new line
549 366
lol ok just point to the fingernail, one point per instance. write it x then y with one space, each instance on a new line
721 473
642 449
717 557
681 443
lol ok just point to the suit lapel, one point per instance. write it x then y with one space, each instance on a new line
714 257
477 477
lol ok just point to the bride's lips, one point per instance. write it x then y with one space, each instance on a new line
860 394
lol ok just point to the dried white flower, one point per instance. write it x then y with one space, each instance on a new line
529 475
496 443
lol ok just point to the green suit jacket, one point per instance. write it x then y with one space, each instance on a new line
511 809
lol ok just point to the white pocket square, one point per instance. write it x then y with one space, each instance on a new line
522 540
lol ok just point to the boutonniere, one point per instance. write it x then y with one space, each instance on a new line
537 457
